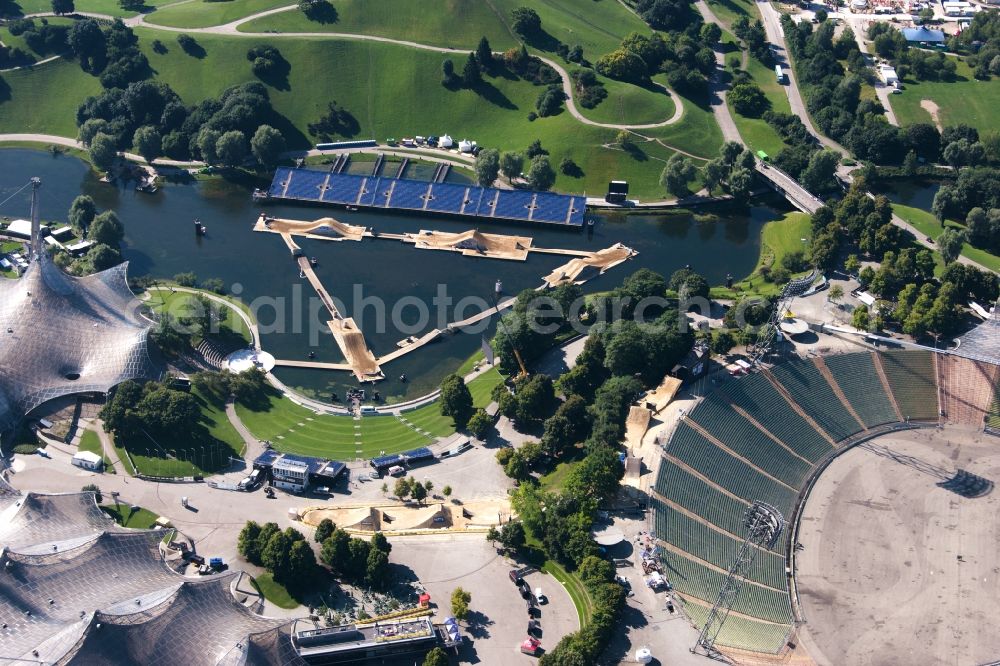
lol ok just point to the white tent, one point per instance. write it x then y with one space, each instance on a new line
465 146
643 655
446 141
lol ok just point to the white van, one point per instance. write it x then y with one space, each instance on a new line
368 410
396 470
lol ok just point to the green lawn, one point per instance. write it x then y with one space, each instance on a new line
111 7
555 480
26 98
928 225
630 104
448 23
964 100
274 591
728 11
143 519
201 14
755 131
296 429
167 456
182 305
90 441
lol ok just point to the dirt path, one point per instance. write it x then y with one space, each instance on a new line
931 108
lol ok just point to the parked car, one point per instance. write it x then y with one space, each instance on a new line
540 596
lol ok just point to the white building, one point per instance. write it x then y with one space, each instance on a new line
290 474
88 460
888 75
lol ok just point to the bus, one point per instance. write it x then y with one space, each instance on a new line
779 73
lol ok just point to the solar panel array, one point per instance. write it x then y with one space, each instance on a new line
450 198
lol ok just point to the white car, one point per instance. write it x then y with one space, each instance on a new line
540 596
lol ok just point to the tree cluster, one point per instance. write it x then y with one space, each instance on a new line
533 322
732 170
587 89
135 409
356 560
286 554
105 229
456 400
148 114
753 35
890 44
684 57
108 51
43 38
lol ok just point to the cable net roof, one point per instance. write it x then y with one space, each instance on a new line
61 335
983 342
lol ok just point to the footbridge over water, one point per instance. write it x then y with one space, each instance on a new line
784 184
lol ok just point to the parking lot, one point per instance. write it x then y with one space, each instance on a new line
498 619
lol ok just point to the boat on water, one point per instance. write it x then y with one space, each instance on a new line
259 195
313 261
351 207
302 274
199 228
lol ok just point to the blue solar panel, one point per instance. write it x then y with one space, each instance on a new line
447 197
343 189
409 194
368 192
383 191
466 200
513 204
551 208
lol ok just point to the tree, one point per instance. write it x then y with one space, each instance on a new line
487 167
569 426
402 488
535 149
107 229
820 175
231 148
335 552
525 21
103 151
247 542
484 54
722 342
417 491
60 7
96 489
677 174
377 568
456 400
460 603
595 570
836 293
471 73
325 528
436 657
301 564
147 142
102 257
511 164
748 99
131 5
480 424
82 212
267 145
448 77
492 534
549 102
860 319
512 535
691 283
446 491
540 174
207 141
950 244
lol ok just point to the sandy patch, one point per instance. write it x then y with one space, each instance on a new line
395 516
932 108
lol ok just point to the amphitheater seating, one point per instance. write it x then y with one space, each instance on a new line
965 389
809 388
697 580
857 377
993 418
551 207
756 396
513 204
743 437
911 377
447 197
742 633
690 492
714 547
691 448
409 194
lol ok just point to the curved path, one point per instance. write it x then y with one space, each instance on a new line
231 29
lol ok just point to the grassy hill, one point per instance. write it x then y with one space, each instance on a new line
10 8
390 90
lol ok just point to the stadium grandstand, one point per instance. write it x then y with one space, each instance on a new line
763 438
469 201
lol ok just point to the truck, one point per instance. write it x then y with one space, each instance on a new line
779 73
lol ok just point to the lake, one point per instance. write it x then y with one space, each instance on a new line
160 242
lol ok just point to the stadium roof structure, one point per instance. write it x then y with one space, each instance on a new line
62 335
77 589
983 342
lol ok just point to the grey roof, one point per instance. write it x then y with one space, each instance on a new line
199 622
983 342
78 589
923 35
61 335
37 521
